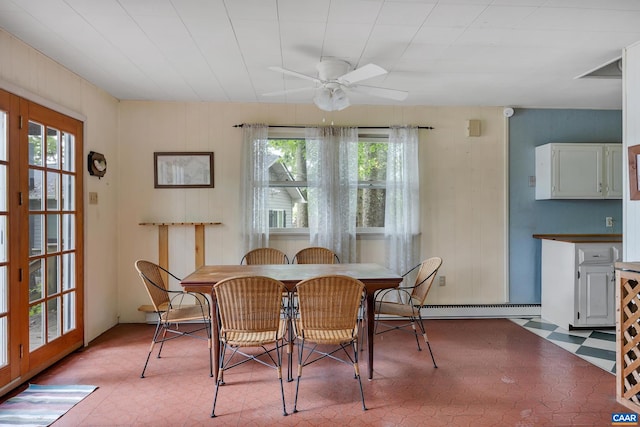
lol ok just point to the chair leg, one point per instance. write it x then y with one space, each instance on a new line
279 358
357 372
415 332
153 343
164 338
210 344
219 377
426 339
300 349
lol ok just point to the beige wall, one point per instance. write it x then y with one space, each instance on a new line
27 73
463 191
463 184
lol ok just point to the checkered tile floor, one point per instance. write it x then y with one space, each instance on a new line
595 346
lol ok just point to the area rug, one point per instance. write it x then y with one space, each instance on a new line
41 405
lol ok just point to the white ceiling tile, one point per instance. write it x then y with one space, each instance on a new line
445 52
355 11
453 15
251 10
582 19
257 38
438 35
502 16
595 4
409 14
303 11
393 34
148 7
202 15
92 9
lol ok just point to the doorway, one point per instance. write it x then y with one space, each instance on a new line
41 238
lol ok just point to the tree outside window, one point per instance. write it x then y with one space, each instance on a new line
288 182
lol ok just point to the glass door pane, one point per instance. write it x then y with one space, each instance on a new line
52 234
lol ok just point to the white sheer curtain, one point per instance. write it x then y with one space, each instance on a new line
332 178
255 188
402 206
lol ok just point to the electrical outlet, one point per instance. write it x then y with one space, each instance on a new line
442 280
608 221
93 198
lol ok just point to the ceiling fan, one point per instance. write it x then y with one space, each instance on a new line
335 79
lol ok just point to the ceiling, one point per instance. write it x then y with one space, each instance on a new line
520 53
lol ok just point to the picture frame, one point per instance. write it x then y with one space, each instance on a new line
634 178
183 169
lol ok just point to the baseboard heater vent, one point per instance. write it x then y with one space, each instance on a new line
456 311
460 311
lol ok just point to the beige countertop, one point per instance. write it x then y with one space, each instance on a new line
581 238
629 266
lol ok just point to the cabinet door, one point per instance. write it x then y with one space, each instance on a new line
595 296
613 171
577 171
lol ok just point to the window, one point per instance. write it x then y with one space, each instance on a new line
278 218
287 199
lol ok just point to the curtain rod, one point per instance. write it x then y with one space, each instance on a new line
302 127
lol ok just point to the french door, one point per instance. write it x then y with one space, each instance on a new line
41 223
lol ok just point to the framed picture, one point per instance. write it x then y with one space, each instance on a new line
634 178
183 170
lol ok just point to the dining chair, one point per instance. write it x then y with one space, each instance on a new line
179 313
409 300
327 315
249 314
316 255
264 256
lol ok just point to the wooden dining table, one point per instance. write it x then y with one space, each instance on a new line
373 276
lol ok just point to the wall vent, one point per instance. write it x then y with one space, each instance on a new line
609 70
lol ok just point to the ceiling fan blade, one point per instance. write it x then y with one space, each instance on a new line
295 74
365 72
288 91
397 95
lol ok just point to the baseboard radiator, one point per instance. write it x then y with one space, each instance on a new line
462 311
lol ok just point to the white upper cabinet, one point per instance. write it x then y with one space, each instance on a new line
579 171
613 171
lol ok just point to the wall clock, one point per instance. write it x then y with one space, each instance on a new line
97 164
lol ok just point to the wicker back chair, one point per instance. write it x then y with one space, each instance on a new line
328 309
409 301
263 256
249 310
316 255
180 313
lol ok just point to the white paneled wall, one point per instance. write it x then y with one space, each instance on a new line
463 180
631 137
29 74
462 189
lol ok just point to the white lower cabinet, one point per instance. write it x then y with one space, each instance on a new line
578 283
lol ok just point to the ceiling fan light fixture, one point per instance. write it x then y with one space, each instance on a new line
328 99
340 99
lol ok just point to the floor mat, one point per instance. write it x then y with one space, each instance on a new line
41 405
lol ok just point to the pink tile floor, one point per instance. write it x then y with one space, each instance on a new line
491 372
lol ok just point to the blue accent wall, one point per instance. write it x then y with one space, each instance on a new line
529 128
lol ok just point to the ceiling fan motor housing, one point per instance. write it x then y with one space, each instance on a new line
331 69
